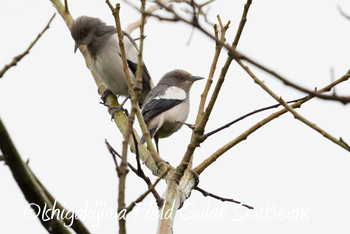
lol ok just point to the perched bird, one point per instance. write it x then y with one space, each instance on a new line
103 45
167 105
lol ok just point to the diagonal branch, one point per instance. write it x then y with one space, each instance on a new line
209 82
343 13
208 194
212 158
245 116
30 188
339 142
66 6
239 55
144 195
139 172
18 58
199 130
333 97
69 218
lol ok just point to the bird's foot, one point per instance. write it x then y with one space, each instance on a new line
104 96
113 110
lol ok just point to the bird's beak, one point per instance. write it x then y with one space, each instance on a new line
77 44
195 78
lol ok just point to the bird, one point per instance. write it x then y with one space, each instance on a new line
167 105
103 45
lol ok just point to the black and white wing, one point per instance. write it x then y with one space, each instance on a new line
157 104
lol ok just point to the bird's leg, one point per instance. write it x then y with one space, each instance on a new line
191 126
156 139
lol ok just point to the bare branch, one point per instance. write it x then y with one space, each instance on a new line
144 195
66 6
139 172
113 152
290 109
134 93
209 82
238 55
18 58
343 13
212 158
72 219
245 116
197 133
342 99
208 194
32 191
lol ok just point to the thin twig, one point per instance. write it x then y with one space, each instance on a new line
138 162
239 55
342 99
18 58
66 6
343 13
222 150
197 133
332 80
123 169
247 115
144 195
290 109
140 173
208 194
209 82
113 153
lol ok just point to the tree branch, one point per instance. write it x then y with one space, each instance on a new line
212 158
343 13
197 133
339 142
209 82
73 220
139 172
239 55
18 58
66 6
333 97
208 194
245 116
32 191
144 195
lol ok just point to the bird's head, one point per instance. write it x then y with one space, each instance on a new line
180 79
84 30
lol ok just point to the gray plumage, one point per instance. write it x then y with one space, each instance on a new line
103 45
167 105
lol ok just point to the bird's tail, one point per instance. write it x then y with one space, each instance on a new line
151 132
142 141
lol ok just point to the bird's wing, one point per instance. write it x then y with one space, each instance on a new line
132 59
157 106
162 101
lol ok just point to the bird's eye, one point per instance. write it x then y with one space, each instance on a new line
82 33
181 78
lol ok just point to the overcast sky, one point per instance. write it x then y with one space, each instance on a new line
296 179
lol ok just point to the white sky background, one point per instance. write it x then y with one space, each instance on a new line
296 179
